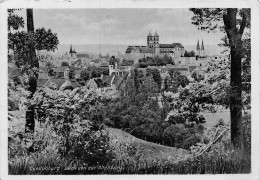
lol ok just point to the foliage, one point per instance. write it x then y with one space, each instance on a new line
174 80
189 53
155 61
79 131
197 76
156 75
233 22
181 137
65 63
85 75
188 104
93 72
45 39
219 161
14 21
71 74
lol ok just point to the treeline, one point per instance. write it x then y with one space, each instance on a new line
155 61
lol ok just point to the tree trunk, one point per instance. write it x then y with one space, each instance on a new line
29 126
235 40
236 99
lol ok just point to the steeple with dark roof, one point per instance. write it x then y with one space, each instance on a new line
70 48
198 46
202 45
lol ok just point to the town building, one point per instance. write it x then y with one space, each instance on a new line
72 53
154 48
112 85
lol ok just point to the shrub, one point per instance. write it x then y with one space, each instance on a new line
181 137
76 118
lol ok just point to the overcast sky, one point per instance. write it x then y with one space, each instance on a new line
122 26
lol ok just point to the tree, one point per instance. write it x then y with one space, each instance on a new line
64 63
71 74
189 53
85 75
30 123
175 76
22 50
49 69
234 21
156 75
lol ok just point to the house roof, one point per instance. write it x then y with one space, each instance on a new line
119 81
127 63
171 45
107 79
58 82
163 70
146 50
82 55
129 49
142 49
74 83
104 64
99 83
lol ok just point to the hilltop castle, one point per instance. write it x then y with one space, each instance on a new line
155 48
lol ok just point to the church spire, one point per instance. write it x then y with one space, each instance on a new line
70 48
202 45
198 46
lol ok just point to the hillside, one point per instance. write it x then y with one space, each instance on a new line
150 150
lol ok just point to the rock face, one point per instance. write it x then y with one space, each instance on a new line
151 150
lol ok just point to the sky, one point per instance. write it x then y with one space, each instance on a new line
122 26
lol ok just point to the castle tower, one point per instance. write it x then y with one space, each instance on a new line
156 43
198 48
202 49
149 40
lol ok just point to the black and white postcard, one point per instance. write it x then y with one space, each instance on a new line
128 87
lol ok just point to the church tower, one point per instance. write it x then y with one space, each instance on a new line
149 40
198 48
156 43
